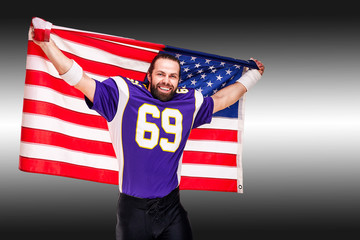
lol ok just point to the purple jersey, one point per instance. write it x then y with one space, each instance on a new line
149 135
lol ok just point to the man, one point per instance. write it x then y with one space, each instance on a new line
149 126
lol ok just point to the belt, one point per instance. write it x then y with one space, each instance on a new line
147 203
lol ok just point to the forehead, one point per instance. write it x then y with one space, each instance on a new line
166 65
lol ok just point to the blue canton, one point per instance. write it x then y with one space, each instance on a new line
206 75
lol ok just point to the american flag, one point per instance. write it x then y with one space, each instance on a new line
61 136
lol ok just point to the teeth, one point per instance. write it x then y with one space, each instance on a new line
165 89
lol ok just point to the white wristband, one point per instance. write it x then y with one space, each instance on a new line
73 75
250 78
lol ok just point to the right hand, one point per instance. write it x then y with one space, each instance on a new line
32 38
40 31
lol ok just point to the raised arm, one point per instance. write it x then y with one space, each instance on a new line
230 94
68 69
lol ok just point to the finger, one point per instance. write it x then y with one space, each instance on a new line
260 64
31 33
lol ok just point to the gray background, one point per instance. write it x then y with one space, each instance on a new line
302 127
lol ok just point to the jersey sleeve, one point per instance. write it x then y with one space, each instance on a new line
204 114
106 99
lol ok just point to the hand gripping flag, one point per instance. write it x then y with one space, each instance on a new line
61 136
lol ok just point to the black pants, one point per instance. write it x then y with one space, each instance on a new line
160 218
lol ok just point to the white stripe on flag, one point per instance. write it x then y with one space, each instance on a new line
48 152
84 31
56 125
94 54
34 92
223 123
208 171
119 43
38 63
212 146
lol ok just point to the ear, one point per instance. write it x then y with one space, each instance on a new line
149 79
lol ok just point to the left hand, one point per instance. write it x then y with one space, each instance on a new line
260 66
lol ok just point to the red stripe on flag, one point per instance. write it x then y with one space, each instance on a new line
213 134
114 48
61 140
39 78
209 158
208 184
34 49
92 66
68 170
49 109
106 70
138 43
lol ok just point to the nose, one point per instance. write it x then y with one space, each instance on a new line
166 79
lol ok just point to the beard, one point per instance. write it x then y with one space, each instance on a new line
164 97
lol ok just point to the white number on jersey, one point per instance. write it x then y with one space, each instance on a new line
148 133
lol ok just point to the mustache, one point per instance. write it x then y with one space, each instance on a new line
168 85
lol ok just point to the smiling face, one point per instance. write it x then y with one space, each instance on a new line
164 79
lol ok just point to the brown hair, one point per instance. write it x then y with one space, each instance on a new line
163 56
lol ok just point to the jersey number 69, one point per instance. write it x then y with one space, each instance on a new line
151 139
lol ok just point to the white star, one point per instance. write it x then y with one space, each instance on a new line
214 70
228 72
197 65
237 66
199 89
193 82
186 69
207 61
209 84
219 77
203 76
211 67
193 58
177 55
182 62
189 75
222 64
215 91
200 71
